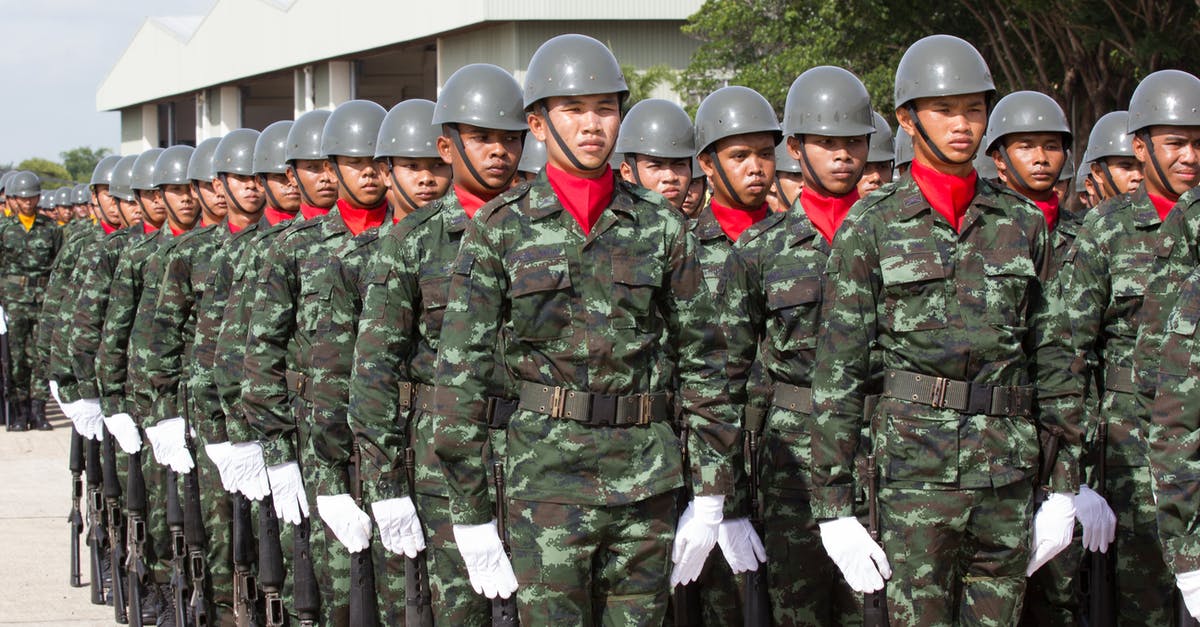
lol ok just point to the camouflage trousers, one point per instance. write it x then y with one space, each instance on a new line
958 557
331 561
592 564
158 548
1052 594
1145 586
715 598
805 586
455 602
217 518
27 368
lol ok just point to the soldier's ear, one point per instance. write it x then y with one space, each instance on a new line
537 126
904 119
1140 151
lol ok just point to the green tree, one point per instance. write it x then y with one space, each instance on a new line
52 174
82 160
643 82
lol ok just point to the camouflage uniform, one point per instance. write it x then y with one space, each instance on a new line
407 287
772 313
25 259
591 508
1108 286
905 293
58 304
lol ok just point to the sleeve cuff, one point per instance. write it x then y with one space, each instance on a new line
471 511
165 408
1183 554
112 405
830 503
278 451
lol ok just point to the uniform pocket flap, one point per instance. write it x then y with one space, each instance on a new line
635 271
1008 262
540 276
911 268
792 292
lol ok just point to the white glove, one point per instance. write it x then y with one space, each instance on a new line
54 393
219 453
343 517
287 490
741 545
124 432
488 567
695 537
1053 526
168 440
246 469
1189 586
3 321
1097 518
85 414
399 526
861 560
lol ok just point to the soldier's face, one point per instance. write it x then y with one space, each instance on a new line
109 211
81 211
668 177
493 153
63 213
837 162
182 208
245 191
153 209
285 192
749 165
695 196
588 126
955 124
424 180
1177 149
130 210
876 174
214 206
1037 159
25 206
316 178
361 181
1126 174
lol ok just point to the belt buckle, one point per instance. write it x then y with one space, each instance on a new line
602 410
558 403
645 405
937 396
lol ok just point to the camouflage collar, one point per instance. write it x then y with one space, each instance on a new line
453 215
913 202
706 227
802 228
1144 213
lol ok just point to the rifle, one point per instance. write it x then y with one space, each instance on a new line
245 592
179 551
306 594
757 609
95 509
5 373
685 598
504 611
116 540
875 613
270 563
364 606
418 599
193 535
1101 578
75 517
135 507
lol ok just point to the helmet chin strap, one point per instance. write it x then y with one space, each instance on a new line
224 178
171 211
303 192
712 154
270 194
818 183
1162 176
456 139
937 152
342 182
562 145
200 198
782 194
400 188
631 160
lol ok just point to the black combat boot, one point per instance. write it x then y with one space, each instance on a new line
20 416
37 415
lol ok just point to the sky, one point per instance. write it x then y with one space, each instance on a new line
53 56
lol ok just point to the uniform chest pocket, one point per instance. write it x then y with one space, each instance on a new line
634 281
1009 281
914 290
540 296
795 307
1131 283
435 294
1180 334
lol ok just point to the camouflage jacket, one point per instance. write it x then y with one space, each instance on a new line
906 292
27 255
58 306
173 316
85 335
584 312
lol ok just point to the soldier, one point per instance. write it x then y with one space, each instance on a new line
582 274
935 295
213 207
1113 169
416 174
81 200
533 159
697 192
655 143
3 196
62 206
1062 187
28 245
904 152
1083 192
880 158
789 180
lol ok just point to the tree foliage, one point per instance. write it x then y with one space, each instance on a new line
52 174
80 161
642 83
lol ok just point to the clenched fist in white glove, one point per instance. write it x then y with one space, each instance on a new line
861 560
85 414
695 537
242 468
346 520
490 570
1189 586
287 490
124 431
1097 518
169 442
740 544
1053 526
399 527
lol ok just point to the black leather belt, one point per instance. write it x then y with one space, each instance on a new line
967 397
597 410
21 280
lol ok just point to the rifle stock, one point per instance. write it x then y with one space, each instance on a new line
757 608
5 375
685 598
116 539
306 593
195 541
95 509
364 605
135 507
504 611
244 586
418 601
270 563
75 517
875 612
1101 575
179 552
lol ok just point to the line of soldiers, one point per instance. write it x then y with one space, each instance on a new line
514 358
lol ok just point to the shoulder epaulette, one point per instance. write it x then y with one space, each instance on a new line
758 228
505 199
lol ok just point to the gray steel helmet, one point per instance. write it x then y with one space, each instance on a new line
304 140
483 95
1081 180
883 143
1068 170
1025 112
235 153
408 131
986 166
697 171
827 100
81 195
103 173
941 65
44 199
904 147
5 178
784 162
572 65
122 179
352 129
1166 98
200 167
1109 138
172 166
533 155
271 147
734 110
143 170
62 196
657 127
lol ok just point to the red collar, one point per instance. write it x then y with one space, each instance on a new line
309 212
1162 205
1049 209
275 216
734 221
584 199
826 212
359 220
948 194
176 232
234 229
470 202
148 228
107 229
